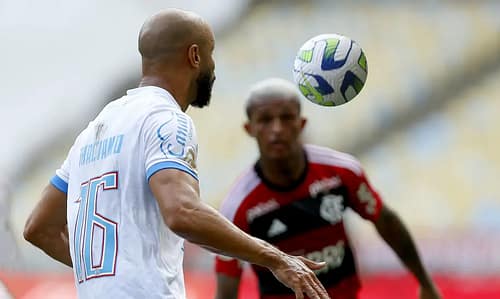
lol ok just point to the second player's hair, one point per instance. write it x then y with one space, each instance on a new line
271 88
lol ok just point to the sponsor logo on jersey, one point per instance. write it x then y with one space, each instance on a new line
277 228
324 185
366 196
175 135
332 255
190 157
261 209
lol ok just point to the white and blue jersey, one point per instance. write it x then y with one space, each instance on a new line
119 243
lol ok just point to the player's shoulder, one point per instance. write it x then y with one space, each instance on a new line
158 96
244 185
164 121
326 156
152 100
163 115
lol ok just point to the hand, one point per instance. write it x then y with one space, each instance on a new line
429 292
296 272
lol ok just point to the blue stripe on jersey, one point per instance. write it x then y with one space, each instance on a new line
169 164
59 183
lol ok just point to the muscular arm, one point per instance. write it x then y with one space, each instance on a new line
227 287
185 214
394 232
46 226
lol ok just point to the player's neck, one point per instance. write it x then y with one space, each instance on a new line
284 172
179 97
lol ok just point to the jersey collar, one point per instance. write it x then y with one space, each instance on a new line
257 168
157 90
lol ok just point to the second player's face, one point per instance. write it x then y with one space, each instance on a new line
276 125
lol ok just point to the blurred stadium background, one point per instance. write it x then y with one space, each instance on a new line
425 126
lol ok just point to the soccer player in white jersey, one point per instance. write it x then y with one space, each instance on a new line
127 195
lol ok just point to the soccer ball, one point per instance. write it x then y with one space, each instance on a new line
330 69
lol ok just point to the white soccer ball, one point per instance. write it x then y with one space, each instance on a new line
330 69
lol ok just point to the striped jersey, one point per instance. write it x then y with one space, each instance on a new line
304 219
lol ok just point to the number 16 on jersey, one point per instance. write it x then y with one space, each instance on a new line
95 242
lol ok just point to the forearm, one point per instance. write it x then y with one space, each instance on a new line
185 214
54 243
399 239
177 194
46 227
203 225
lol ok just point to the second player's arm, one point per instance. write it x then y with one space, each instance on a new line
227 286
394 232
185 214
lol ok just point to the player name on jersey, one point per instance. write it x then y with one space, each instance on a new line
101 149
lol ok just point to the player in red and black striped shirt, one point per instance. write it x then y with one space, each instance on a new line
294 197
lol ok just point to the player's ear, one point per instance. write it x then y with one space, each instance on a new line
194 55
303 122
248 129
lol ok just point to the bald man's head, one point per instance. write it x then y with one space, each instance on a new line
169 31
176 48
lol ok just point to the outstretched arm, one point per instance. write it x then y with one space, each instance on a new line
46 226
185 214
394 232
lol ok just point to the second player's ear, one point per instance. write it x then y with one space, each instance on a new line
303 121
248 129
194 55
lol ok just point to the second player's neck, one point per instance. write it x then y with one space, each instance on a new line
283 173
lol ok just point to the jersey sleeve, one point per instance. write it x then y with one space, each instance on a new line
362 196
228 266
229 208
170 143
61 179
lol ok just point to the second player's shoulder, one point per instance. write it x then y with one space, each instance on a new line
241 189
326 156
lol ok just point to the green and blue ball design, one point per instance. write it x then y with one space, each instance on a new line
330 69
